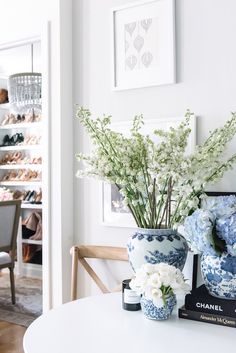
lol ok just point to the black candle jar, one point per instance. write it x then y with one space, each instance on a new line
130 300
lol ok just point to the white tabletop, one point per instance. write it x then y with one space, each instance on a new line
99 325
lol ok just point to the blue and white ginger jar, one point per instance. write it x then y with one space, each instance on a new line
151 311
219 275
155 246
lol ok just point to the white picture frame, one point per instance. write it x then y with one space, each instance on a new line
118 216
143 44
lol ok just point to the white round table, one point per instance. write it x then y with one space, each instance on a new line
99 325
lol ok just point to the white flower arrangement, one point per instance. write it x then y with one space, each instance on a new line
157 282
160 184
5 194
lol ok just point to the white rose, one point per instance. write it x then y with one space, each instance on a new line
166 278
157 297
154 294
182 289
138 285
155 280
148 268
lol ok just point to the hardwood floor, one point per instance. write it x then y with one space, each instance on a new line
11 338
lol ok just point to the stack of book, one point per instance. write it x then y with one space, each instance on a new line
201 306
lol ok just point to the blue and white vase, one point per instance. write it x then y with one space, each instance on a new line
155 246
153 312
219 275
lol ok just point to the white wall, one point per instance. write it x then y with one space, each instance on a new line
206 75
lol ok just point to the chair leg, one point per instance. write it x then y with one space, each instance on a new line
12 280
74 253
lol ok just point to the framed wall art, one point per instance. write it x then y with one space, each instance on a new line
143 44
114 212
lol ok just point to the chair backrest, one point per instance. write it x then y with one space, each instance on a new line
9 222
80 253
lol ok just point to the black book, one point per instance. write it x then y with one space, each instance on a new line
209 318
200 300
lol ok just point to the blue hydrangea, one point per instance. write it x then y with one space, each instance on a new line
198 231
220 206
217 211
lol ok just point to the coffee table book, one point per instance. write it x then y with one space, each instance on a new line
201 301
209 318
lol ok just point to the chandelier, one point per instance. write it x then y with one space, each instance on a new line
25 90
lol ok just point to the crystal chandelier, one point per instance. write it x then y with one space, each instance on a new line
25 90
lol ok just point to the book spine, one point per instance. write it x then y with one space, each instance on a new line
226 308
209 318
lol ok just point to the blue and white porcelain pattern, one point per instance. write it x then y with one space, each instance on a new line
151 311
155 246
219 275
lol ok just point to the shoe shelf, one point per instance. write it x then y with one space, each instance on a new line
21 166
20 147
31 241
20 183
28 128
21 126
31 206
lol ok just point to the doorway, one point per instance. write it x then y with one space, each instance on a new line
24 168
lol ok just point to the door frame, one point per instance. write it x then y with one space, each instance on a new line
56 45
44 39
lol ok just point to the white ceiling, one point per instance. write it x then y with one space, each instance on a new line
18 60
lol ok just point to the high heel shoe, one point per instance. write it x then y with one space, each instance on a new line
6 141
10 176
18 138
26 195
18 195
28 118
6 159
6 177
5 120
25 160
13 175
33 175
38 198
12 119
31 196
16 157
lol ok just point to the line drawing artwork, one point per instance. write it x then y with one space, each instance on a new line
140 44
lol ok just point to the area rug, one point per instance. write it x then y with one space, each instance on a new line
28 300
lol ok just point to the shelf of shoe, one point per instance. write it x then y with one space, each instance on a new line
20 183
31 206
36 124
21 166
30 241
5 106
20 147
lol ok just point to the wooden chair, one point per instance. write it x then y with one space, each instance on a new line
82 252
9 222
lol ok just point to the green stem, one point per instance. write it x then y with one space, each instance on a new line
160 203
153 210
176 210
221 167
165 207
